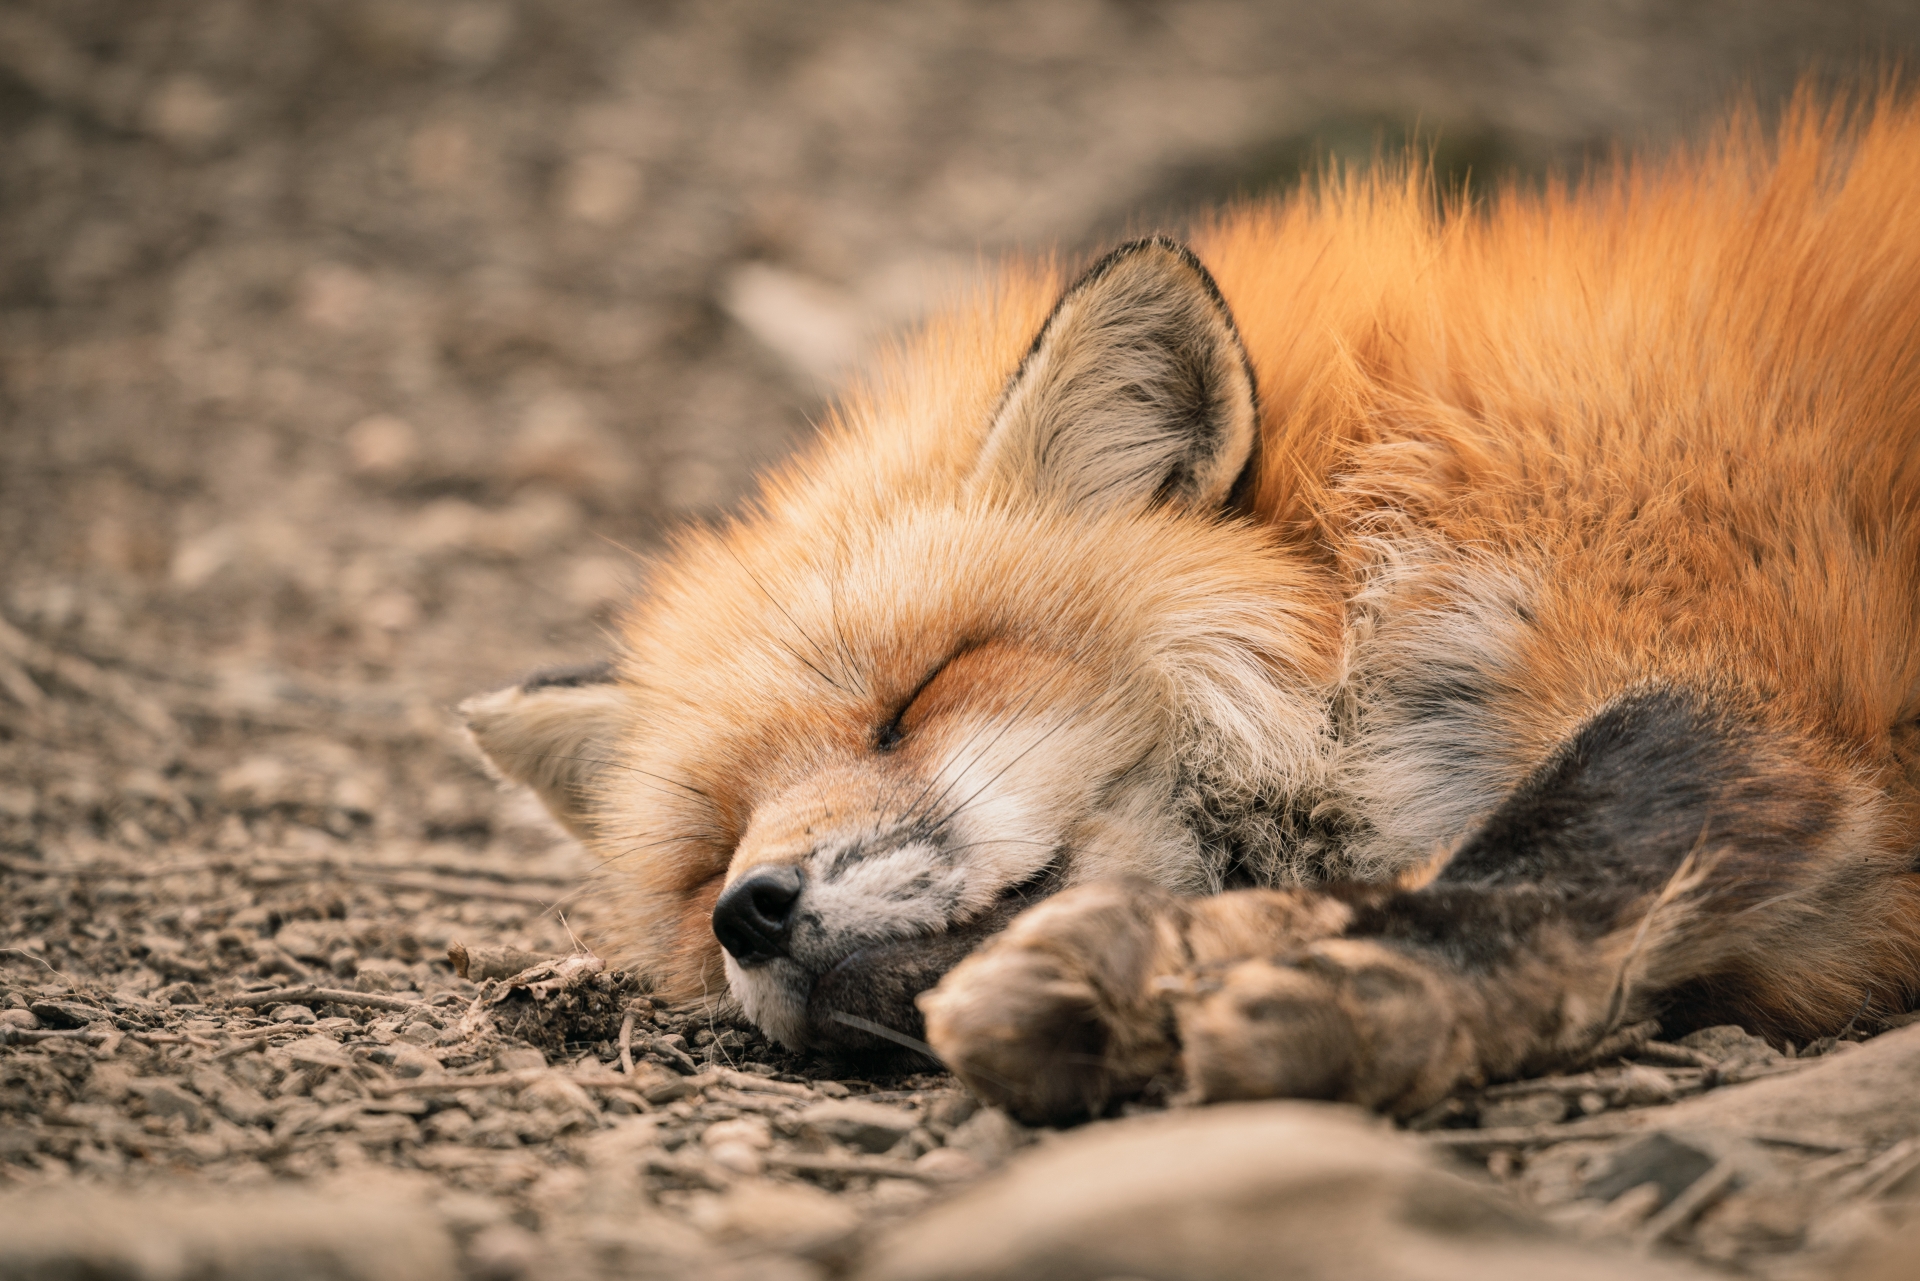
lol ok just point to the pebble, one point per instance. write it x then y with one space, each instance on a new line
753 1131
797 1217
502 1252
989 1136
1527 1109
521 1059
950 1165
165 1099
741 1158
1664 1159
239 1103
298 1014
1643 1087
870 1127
452 1124
66 1014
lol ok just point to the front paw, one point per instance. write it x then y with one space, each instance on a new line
1344 1019
1059 1015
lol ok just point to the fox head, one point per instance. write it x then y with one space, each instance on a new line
1002 630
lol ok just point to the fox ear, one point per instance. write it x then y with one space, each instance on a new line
1137 390
553 732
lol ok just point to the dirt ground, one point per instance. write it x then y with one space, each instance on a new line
349 352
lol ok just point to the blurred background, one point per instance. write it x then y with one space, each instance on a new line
349 347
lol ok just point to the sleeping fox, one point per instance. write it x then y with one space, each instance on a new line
1368 648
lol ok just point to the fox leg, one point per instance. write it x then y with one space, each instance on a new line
1106 988
1666 860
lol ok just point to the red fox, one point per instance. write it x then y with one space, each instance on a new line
1403 645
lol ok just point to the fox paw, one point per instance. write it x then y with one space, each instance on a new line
1099 991
1058 1015
1344 1019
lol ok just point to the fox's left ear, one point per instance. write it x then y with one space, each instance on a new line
1137 390
554 732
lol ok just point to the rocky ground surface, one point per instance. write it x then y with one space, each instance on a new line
349 351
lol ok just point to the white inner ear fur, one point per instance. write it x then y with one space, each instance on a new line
1137 389
554 738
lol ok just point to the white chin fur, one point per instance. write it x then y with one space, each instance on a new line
774 997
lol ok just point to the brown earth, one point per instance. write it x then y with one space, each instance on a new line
347 352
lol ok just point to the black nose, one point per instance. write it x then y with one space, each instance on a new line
754 916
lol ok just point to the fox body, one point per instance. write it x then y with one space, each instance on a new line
1401 645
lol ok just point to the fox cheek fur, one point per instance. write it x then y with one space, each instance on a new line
985 641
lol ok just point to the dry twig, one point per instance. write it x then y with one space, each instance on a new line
329 995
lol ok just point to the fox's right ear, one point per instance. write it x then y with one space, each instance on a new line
1137 390
554 732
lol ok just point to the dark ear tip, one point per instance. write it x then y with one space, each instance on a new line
1160 243
569 677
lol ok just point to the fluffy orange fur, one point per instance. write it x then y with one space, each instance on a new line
1686 393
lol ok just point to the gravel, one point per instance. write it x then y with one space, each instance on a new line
345 350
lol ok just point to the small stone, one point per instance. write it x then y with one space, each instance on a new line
796 1217
18 803
1527 1109
1643 1087
420 1032
741 1158
66 1014
469 1211
1724 1040
298 1014
26 1020
164 1099
870 1127
521 1059
950 1165
503 1252
1627 1211
559 1094
1660 1158
989 1136
452 1124
319 1050
896 1194
406 1060
240 1104
657 1085
382 448
1734 1048
950 1109
750 1130
345 962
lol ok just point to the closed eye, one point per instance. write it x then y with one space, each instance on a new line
889 735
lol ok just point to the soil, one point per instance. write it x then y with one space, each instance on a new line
348 353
